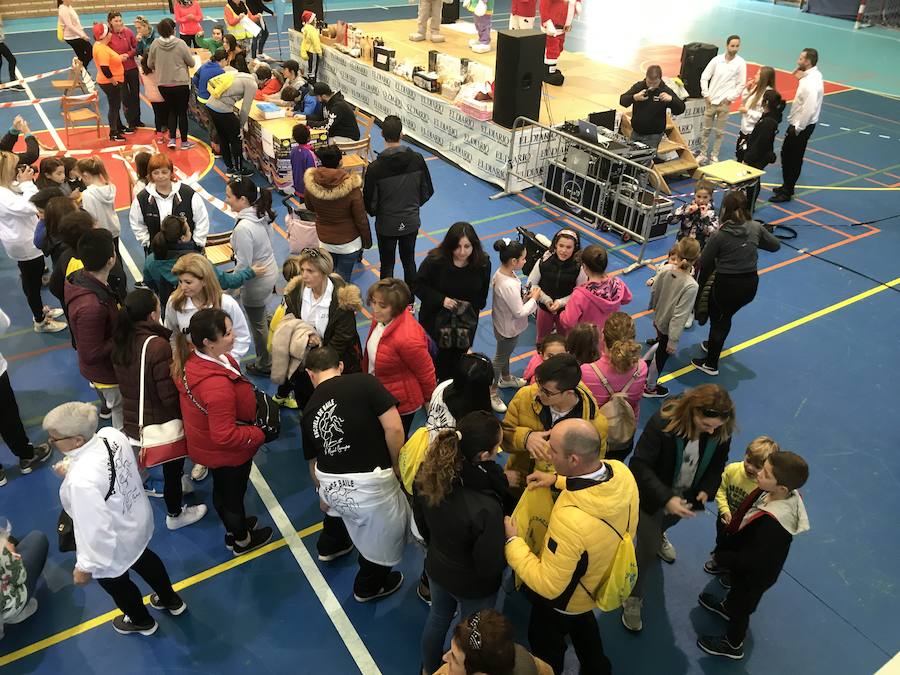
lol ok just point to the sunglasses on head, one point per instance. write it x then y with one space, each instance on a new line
311 252
712 412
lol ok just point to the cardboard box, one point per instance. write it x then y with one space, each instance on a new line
427 81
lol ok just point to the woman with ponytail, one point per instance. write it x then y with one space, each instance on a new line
252 244
138 323
458 503
672 300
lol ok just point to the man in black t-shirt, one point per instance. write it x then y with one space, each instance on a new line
352 435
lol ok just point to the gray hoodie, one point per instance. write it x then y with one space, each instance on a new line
244 87
251 240
733 248
172 60
100 202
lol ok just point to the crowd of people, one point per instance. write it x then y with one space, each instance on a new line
169 362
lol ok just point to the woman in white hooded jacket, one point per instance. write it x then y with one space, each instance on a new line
18 220
251 241
99 199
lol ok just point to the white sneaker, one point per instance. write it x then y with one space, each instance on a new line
497 404
702 159
188 516
480 48
187 487
713 159
690 322
199 472
49 325
666 551
53 313
473 42
512 383
436 37
416 37
631 614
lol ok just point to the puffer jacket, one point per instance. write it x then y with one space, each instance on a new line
160 395
290 341
335 197
402 362
340 333
215 438
578 548
396 186
593 302
526 413
92 309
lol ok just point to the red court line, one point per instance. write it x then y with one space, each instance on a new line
37 352
803 216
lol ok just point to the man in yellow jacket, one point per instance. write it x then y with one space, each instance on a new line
579 548
557 394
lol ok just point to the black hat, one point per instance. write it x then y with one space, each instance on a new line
321 89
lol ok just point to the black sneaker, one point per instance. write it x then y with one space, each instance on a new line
174 608
251 525
718 645
42 453
700 364
328 556
651 341
711 603
725 581
16 87
246 172
258 538
658 391
391 585
424 592
128 130
2 476
705 346
712 567
105 412
123 625
116 137
777 198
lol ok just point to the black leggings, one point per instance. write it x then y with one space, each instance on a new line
10 60
387 248
176 98
31 273
189 40
729 293
228 127
114 100
259 42
229 488
11 428
160 115
126 594
82 49
172 491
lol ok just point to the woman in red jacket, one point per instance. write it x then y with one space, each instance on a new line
218 405
138 323
397 350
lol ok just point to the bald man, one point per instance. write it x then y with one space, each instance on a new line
578 548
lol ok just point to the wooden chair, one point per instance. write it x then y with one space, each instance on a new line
356 154
74 81
366 123
77 109
218 248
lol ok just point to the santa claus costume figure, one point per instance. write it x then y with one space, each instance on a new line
556 21
522 14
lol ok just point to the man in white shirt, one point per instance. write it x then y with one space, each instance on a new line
112 521
721 84
801 122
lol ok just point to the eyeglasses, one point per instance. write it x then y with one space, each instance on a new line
549 394
474 634
719 414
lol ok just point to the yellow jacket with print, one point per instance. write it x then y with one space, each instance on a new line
579 548
735 485
526 413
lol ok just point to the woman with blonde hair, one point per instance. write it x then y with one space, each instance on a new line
678 464
752 107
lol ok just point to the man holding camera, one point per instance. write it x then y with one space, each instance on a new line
649 99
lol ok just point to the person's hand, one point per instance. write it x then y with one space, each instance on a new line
665 97
555 306
708 100
323 507
568 28
18 123
259 269
512 530
641 95
535 293
538 446
514 478
24 174
671 348
539 479
12 549
702 497
450 303
60 468
649 281
81 578
791 131
677 506
726 518
241 16
75 194
314 340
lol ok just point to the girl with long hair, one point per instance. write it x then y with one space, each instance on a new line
752 107
556 274
52 173
73 32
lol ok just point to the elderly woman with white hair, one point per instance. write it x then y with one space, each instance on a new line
103 493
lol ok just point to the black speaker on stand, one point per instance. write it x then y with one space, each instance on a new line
518 75
450 12
694 57
300 6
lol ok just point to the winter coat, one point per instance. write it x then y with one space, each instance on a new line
290 341
18 221
526 413
593 302
340 334
438 278
160 395
251 241
397 184
760 150
215 438
92 310
100 202
303 158
657 461
402 362
733 249
579 549
171 60
188 17
335 197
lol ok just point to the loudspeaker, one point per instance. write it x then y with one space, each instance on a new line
518 75
450 12
300 6
694 57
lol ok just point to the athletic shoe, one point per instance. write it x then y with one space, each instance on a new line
777 198
711 603
128 130
174 608
702 159
497 404
264 57
658 391
700 364
188 516
556 78
416 37
286 401
256 371
16 87
153 488
392 584
53 312
42 453
423 590
247 172
666 551
187 487
258 538
199 472
2 476
328 556
473 42
117 137
172 144
720 646
512 383
651 341
30 608
631 614
123 625
725 581
105 413
49 325
481 48
251 525
713 159
436 37
714 568
705 346
187 145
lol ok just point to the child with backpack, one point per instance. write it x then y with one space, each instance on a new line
672 300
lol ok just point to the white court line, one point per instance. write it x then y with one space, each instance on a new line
41 113
44 51
320 587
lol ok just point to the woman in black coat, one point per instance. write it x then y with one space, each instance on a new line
677 464
760 150
453 283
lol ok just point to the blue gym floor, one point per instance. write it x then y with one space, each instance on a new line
810 367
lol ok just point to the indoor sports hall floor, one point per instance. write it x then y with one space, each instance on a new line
810 365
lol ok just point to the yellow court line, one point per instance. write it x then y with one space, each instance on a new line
84 627
837 187
789 326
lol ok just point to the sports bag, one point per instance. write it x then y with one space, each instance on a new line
219 84
618 412
613 590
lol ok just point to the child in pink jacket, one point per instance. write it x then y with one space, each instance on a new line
188 16
597 298
551 345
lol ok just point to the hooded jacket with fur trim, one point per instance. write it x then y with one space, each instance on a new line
336 198
290 342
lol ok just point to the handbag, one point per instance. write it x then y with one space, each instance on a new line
160 443
301 228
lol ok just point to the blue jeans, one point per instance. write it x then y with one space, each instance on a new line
440 616
344 263
33 549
